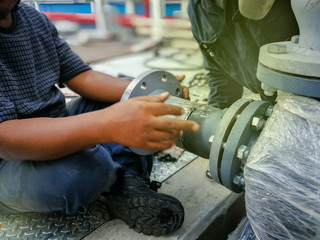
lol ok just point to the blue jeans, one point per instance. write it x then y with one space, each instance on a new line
71 183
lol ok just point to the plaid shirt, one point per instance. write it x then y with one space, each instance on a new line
33 59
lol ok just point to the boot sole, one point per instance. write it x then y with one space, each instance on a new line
156 215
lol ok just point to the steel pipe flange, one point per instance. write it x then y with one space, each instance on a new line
150 83
225 136
221 137
243 135
294 66
147 82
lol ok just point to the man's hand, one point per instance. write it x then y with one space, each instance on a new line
136 123
184 88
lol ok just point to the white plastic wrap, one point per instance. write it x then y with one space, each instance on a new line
283 173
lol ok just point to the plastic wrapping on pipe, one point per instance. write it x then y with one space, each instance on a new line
282 173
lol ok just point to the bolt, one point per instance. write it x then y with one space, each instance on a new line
239 180
268 90
242 152
269 111
269 93
277 48
257 123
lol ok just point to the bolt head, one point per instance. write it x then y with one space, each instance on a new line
276 48
257 123
239 180
269 93
269 111
268 90
242 152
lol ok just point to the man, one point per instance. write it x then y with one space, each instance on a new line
230 45
55 157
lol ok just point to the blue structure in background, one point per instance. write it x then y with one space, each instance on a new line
86 8
66 7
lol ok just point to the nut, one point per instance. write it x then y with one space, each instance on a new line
242 152
269 111
268 90
257 123
239 180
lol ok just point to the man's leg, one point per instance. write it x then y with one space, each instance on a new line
68 184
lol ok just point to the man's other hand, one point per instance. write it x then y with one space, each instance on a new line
185 89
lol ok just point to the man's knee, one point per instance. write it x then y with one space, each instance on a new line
67 184
86 180
89 171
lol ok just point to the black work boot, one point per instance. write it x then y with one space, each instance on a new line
143 209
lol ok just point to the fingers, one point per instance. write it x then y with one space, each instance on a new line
160 140
156 108
169 132
154 98
167 135
180 78
165 109
170 124
154 104
185 91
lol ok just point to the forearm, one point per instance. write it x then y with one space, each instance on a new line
98 86
133 123
48 138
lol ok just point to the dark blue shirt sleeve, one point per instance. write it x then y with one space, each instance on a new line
70 63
